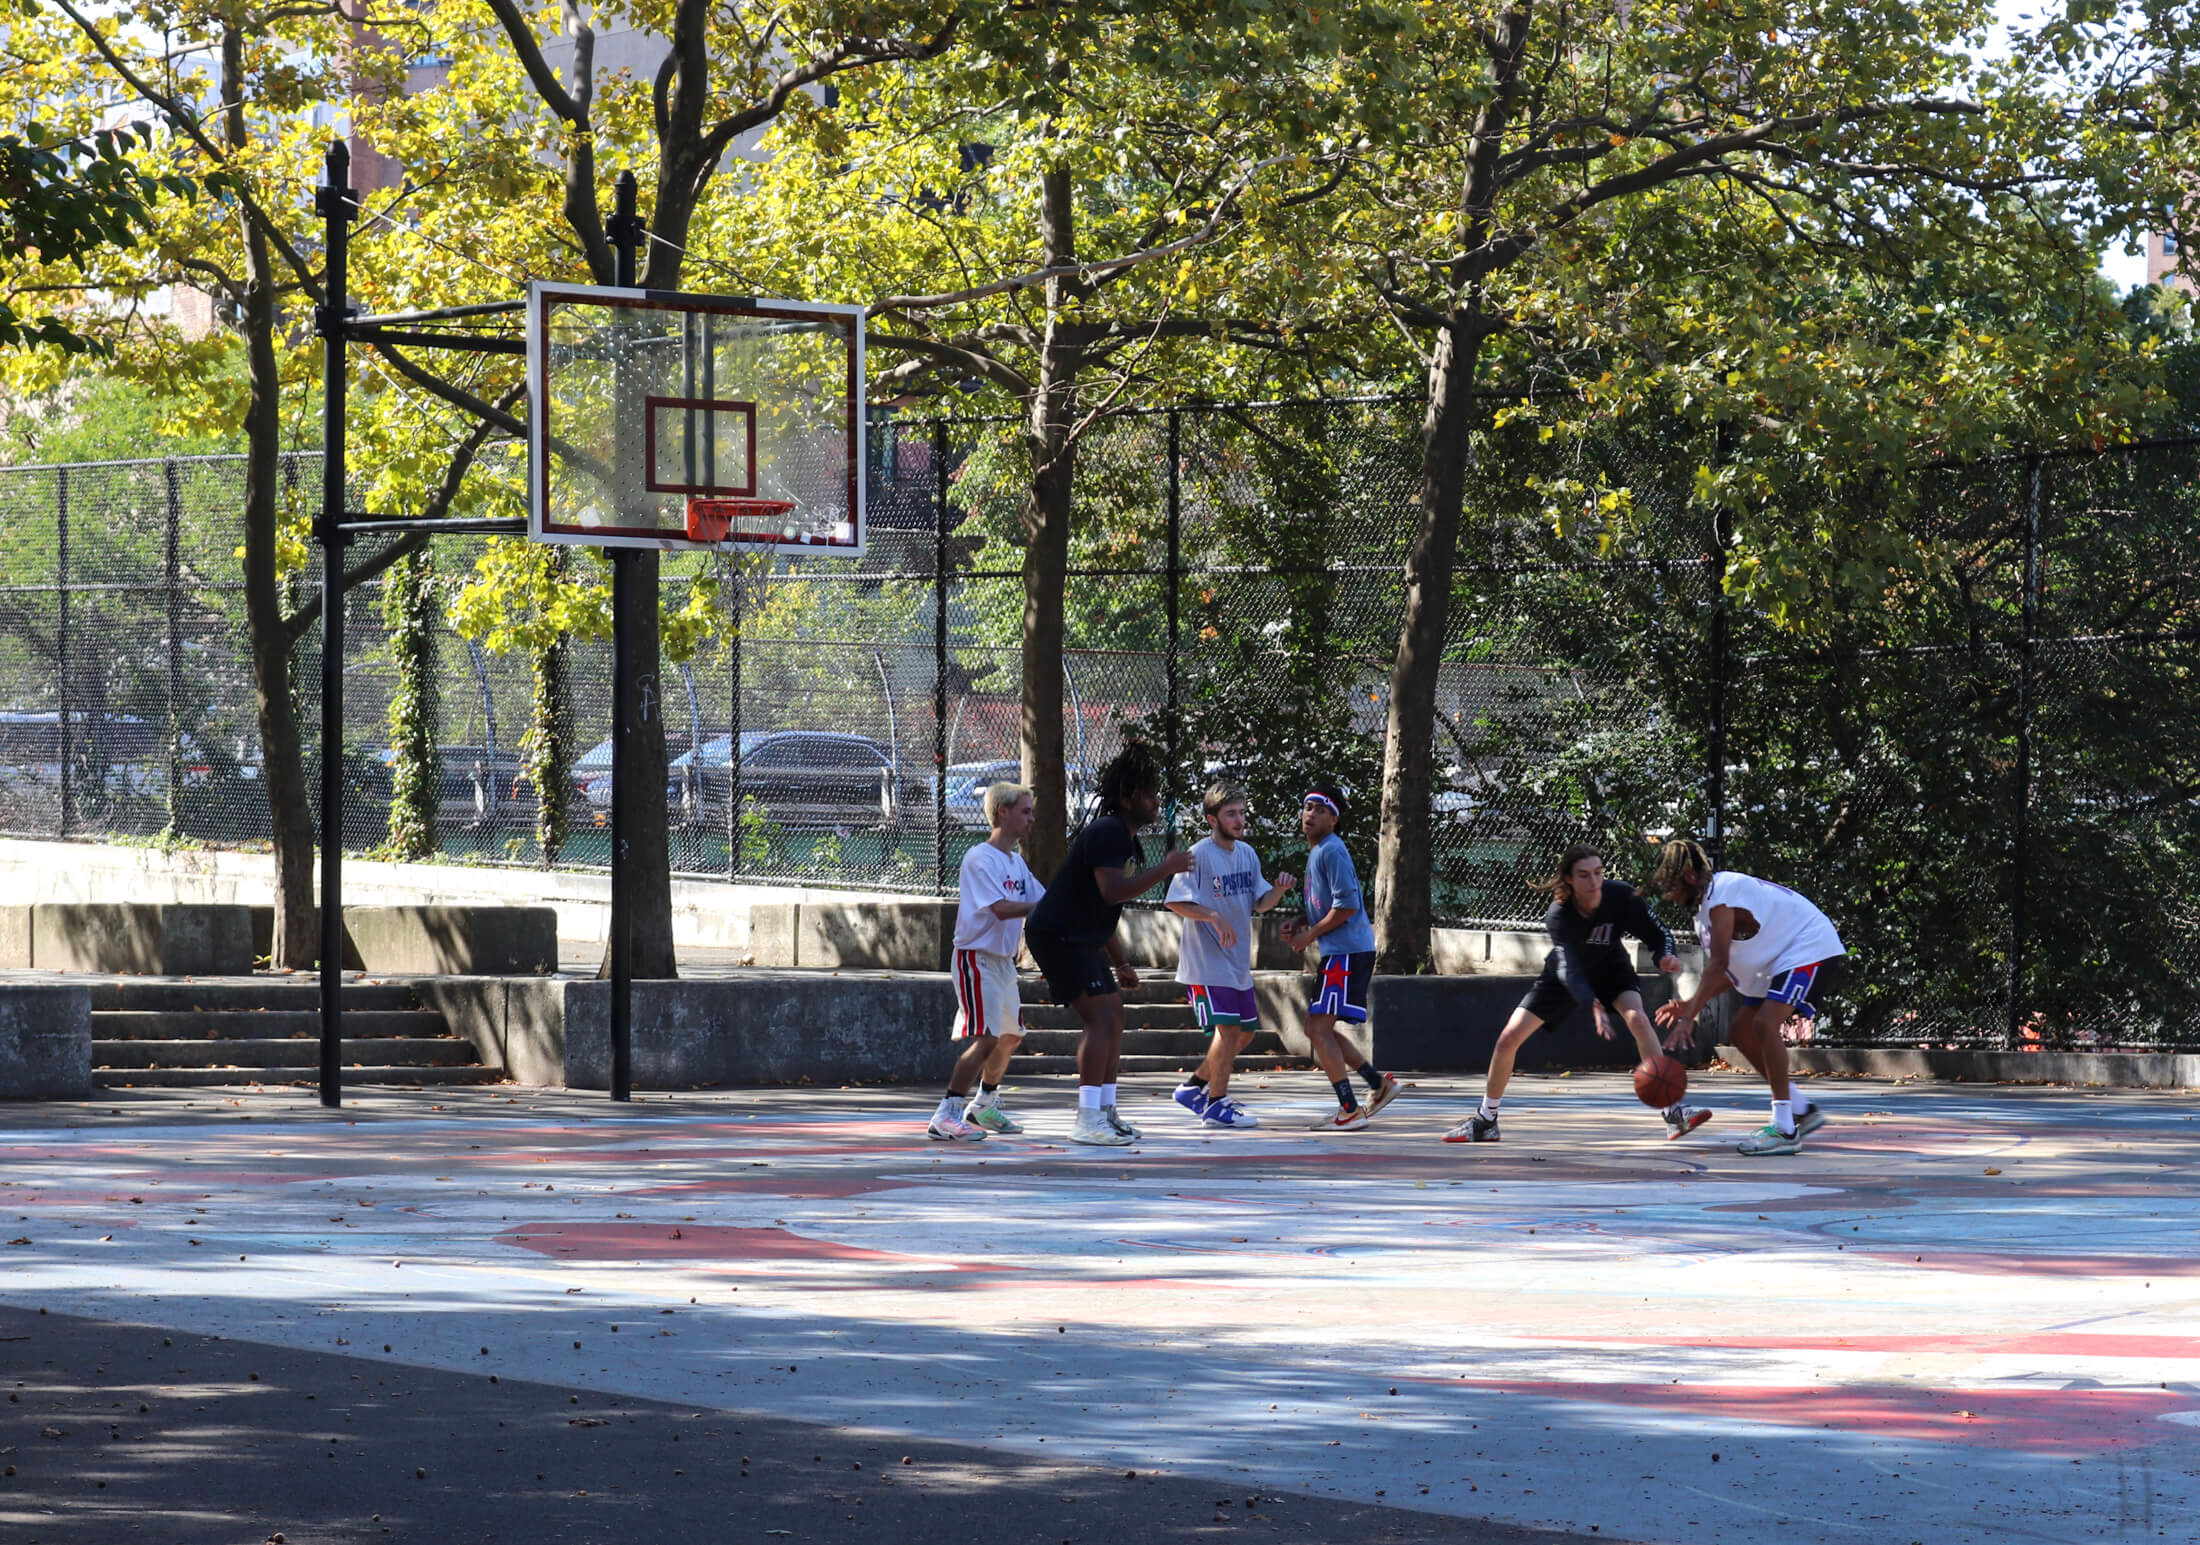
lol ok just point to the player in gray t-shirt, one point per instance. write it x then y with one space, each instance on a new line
1217 898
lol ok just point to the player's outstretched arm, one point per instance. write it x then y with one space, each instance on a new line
1644 924
1276 892
1119 885
1680 1015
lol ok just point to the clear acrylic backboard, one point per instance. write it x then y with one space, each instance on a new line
694 421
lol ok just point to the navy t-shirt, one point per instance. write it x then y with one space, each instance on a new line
1072 907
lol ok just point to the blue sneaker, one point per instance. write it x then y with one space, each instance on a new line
1226 1112
1193 1097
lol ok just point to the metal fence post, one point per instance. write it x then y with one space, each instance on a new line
172 573
733 715
1715 728
1174 567
62 728
2021 829
338 209
939 656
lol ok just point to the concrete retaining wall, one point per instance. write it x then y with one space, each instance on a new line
2111 1070
704 913
45 1042
148 937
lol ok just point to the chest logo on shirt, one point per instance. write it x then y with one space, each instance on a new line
1601 934
1232 885
1012 887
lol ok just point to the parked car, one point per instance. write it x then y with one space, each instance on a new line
798 778
968 781
130 754
481 785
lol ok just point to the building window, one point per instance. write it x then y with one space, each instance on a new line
2169 244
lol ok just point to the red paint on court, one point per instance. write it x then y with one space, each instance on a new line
695 1242
2044 1344
2043 1421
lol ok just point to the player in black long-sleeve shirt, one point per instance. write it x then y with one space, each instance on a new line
1590 921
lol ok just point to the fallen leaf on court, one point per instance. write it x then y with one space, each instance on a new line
1991 1170
24 1240
591 1421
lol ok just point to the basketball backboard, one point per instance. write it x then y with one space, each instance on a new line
694 421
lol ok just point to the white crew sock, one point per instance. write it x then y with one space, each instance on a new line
1107 1094
1783 1116
1489 1106
1088 1096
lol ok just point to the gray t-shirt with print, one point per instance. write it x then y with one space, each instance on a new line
1229 882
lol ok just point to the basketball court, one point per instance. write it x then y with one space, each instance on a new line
1961 1314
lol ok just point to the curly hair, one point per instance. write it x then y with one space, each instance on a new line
1135 770
1682 866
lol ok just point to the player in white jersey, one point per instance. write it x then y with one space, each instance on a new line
1218 898
1772 946
997 894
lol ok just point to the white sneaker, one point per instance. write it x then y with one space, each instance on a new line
1117 1122
1094 1128
953 1129
988 1114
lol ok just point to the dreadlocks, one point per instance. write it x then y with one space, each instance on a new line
1135 770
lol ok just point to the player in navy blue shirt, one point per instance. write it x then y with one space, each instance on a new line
1336 921
1589 923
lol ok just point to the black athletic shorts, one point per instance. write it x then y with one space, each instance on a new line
1072 971
1340 986
1550 1000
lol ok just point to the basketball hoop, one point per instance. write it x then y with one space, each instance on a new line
715 519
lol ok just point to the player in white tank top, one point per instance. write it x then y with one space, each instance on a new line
1769 944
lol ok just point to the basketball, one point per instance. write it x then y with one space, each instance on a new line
1660 1082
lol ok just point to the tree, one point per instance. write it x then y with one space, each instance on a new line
725 73
1052 237
1522 156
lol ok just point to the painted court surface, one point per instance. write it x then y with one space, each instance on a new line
1961 1314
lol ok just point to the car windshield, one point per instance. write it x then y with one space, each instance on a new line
713 750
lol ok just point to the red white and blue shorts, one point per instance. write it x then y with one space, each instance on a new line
1340 986
1796 988
1223 1006
987 998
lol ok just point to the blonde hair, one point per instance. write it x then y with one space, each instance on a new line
999 794
1218 795
1682 866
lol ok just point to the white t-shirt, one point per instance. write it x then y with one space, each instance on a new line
989 875
1790 931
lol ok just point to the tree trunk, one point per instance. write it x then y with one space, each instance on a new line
290 817
1046 531
1402 860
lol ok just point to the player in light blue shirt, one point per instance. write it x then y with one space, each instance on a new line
1336 921
1218 898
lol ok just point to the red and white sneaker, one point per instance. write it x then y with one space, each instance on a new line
1378 1098
1342 1120
1683 1119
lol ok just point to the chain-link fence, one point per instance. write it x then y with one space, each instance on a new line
1989 780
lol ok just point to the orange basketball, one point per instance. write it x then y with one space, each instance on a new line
1660 1082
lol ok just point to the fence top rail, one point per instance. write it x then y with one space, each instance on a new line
202 458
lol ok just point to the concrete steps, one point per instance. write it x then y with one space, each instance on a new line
151 1032
1160 1033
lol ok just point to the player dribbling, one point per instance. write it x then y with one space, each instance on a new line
1589 922
1773 946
